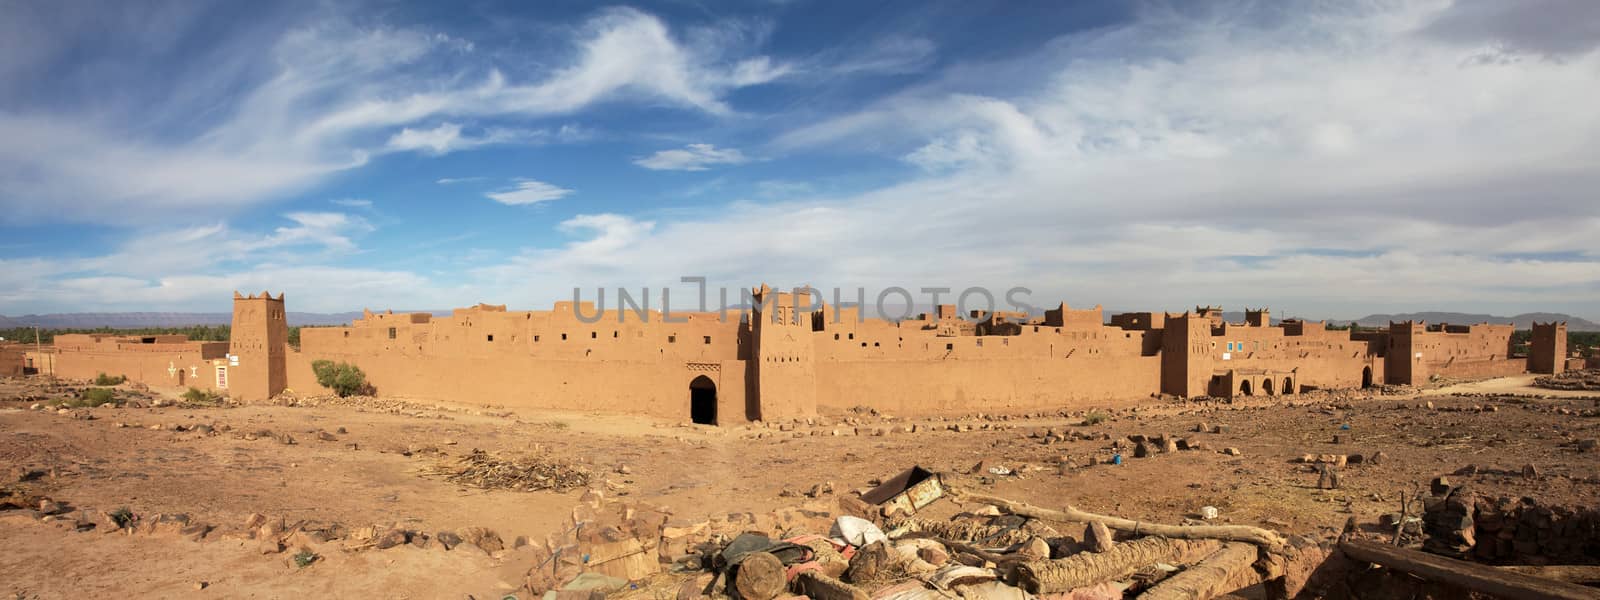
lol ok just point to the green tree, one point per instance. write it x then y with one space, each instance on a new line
343 378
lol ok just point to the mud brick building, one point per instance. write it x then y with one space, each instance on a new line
792 356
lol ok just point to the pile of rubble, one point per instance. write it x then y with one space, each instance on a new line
1587 379
1459 523
879 543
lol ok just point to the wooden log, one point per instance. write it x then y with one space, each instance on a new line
1089 568
1569 573
1501 583
760 576
818 586
1231 533
1223 572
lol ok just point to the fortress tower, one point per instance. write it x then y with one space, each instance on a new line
1547 351
1258 317
1403 362
260 340
784 354
1186 361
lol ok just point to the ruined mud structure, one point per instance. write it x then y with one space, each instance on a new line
793 356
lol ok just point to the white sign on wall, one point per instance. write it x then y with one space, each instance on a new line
233 360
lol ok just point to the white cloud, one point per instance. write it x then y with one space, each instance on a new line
352 202
694 157
455 180
324 99
529 191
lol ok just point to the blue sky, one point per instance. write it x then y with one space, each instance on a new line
1325 159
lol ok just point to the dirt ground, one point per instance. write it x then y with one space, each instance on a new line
373 474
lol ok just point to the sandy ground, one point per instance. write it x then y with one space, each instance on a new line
372 475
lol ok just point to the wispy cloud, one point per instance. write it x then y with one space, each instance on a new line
694 157
330 96
352 202
529 191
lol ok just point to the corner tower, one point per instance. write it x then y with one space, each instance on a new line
260 342
1547 351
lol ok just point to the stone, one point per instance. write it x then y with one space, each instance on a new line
1035 549
1219 429
1588 445
870 561
933 555
1097 537
1202 428
1377 458
484 538
392 538
255 521
1529 471
1327 477
51 507
448 539
1142 450
1232 451
1440 485
326 437
1169 445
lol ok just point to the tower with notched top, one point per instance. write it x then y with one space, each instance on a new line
260 341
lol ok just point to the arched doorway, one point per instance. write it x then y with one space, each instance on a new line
181 374
1244 388
703 401
1266 386
1288 386
1366 377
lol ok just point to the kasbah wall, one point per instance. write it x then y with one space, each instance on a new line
793 357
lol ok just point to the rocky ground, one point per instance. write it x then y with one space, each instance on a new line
335 476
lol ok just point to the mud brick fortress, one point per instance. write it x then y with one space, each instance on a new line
792 357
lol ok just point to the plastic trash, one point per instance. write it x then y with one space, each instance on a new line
1345 427
856 531
1116 459
1208 512
999 470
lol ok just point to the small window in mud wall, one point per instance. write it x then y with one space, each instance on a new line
391 333
488 338
672 339
347 334
222 378
708 339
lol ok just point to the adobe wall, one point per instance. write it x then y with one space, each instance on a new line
180 368
651 388
984 384
13 360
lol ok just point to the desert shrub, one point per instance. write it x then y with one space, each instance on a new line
92 397
304 558
122 517
1095 418
343 378
198 396
103 379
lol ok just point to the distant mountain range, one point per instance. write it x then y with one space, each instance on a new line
1522 321
135 320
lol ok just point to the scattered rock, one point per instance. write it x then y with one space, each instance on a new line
448 539
483 538
392 538
1230 451
1098 537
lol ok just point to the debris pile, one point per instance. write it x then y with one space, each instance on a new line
526 473
883 544
1587 379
